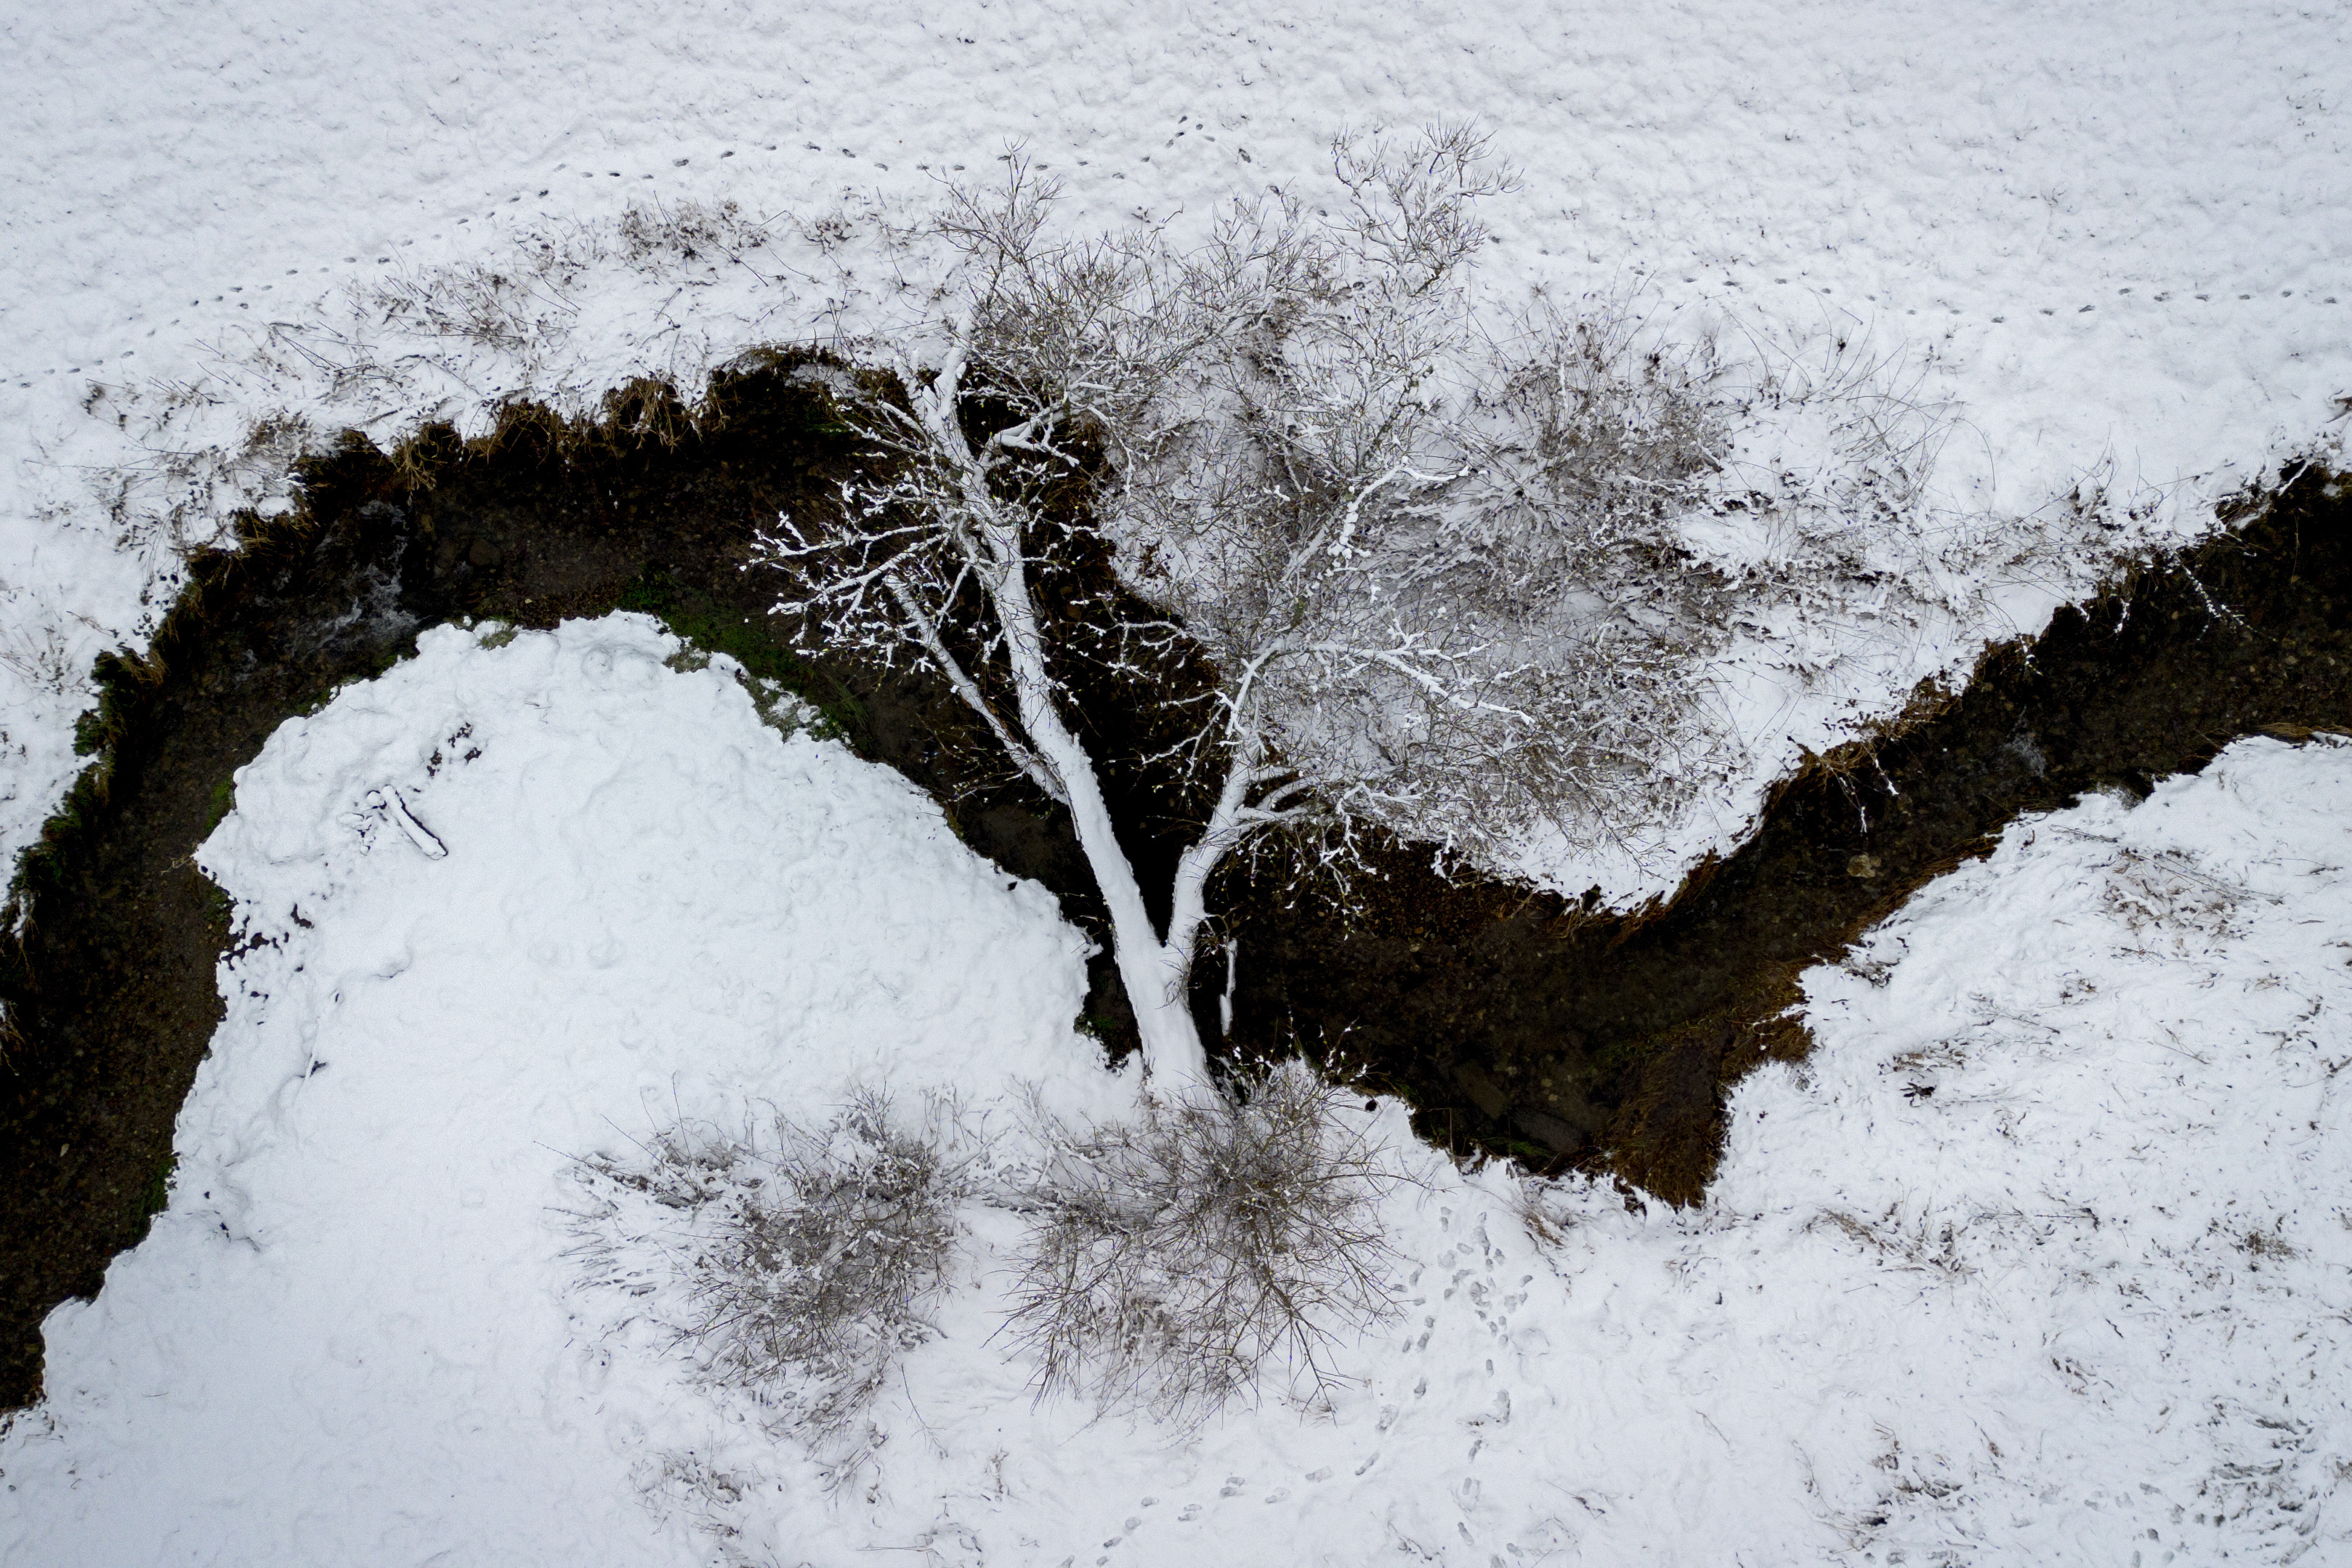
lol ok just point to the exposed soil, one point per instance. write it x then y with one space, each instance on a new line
1526 1026
1515 1024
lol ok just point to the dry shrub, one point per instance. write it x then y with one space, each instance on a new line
1595 444
1173 1257
798 1272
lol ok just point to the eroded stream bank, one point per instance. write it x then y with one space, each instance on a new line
1525 1024
1512 1022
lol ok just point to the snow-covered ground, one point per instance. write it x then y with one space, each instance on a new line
2041 1257
2044 1255
2106 246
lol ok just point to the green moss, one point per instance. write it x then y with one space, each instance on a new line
775 670
90 734
158 1195
155 1197
223 802
125 683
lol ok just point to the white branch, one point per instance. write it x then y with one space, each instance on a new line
920 627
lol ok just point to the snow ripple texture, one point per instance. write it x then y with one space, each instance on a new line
2041 1257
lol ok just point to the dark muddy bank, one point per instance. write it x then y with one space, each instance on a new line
1524 1025
1513 1023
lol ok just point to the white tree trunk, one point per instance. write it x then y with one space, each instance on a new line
1155 974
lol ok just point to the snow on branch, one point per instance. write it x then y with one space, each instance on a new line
1440 569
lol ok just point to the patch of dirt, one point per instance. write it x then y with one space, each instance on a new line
1519 1025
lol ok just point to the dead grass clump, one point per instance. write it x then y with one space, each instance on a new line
687 231
1173 1257
798 1272
192 465
1936 1251
1547 1220
2260 1243
41 658
2169 893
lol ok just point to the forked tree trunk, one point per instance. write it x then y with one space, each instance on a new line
1155 972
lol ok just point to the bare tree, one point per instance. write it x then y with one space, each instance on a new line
1170 1258
1389 533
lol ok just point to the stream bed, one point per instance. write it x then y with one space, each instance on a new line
1517 1023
